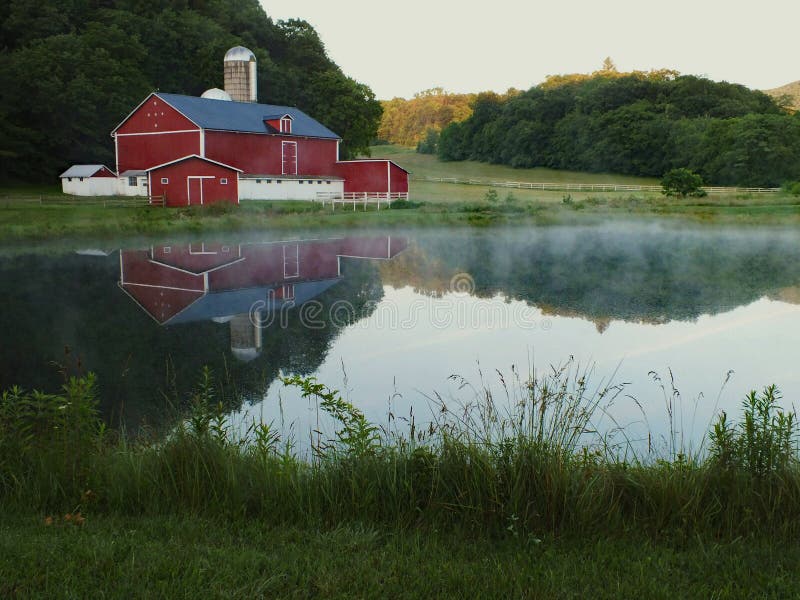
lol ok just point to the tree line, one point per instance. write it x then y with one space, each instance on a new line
637 123
71 70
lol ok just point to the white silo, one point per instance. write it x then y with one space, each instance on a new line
240 74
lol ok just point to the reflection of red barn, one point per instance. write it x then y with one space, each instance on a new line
183 283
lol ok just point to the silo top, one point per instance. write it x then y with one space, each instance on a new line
239 53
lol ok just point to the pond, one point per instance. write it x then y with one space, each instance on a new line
686 320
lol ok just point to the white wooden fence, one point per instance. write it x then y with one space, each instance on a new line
588 187
364 199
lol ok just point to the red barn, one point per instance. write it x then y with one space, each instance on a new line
194 180
278 152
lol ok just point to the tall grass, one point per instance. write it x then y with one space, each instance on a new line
528 464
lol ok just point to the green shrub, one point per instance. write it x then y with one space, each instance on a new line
682 183
763 443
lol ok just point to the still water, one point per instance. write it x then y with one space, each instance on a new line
388 318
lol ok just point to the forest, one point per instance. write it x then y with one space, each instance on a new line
640 124
71 70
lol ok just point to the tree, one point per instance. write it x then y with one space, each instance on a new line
681 183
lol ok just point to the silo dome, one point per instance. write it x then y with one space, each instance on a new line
239 53
216 94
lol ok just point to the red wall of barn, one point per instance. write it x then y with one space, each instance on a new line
177 174
140 152
399 179
260 154
372 176
155 115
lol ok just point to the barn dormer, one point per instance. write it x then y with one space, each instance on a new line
279 123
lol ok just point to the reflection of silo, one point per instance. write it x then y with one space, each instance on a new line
240 74
245 338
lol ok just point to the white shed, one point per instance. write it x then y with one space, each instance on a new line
89 180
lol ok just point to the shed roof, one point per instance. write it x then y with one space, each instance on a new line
83 170
246 117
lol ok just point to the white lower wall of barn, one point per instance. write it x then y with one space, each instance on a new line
266 188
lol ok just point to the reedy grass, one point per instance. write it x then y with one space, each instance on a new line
530 466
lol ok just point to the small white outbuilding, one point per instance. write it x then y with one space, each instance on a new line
89 180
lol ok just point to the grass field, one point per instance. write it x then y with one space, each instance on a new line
39 212
190 557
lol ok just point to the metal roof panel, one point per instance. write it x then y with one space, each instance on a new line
247 117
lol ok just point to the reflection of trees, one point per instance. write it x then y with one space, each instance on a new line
638 273
145 370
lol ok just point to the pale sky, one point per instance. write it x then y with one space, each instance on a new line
403 47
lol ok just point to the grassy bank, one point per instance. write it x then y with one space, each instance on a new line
483 502
191 557
435 205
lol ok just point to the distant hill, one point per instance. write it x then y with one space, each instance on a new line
790 89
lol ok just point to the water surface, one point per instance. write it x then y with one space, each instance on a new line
387 318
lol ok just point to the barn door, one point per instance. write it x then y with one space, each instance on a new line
195 189
289 158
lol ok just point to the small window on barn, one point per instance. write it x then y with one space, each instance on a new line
165 180
301 181
279 181
132 181
258 181
223 181
286 125
269 180
167 249
226 248
80 179
328 182
69 178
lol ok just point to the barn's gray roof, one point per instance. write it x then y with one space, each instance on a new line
83 170
243 116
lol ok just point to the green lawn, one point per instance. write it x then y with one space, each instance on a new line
427 165
156 557
43 212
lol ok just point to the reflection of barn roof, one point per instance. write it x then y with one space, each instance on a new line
247 117
238 302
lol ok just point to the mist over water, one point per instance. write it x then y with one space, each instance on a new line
388 318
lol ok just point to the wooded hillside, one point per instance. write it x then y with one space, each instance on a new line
637 124
70 70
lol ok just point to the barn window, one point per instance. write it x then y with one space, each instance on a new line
69 178
288 291
258 181
226 248
269 180
319 182
279 181
301 181
132 181
286 125
223 181
167 249
80 179
165 180
328 182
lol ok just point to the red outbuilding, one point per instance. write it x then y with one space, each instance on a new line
194 180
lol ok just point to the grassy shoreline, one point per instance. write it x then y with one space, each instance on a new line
26 221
